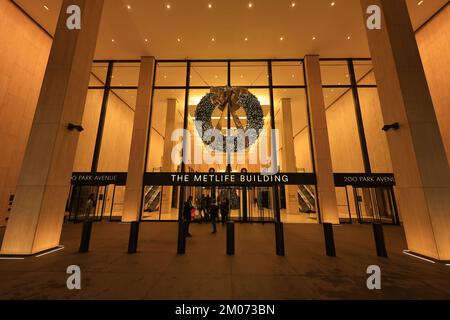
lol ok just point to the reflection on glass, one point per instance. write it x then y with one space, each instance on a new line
335 73
98 74
247 74
376 139
343 132
125 74
364 72
288 74
86 141
171 74
116 139
292 122
209 74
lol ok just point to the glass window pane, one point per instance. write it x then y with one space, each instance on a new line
116 141
364 72
335 73
343 133
293 125
209 74
86 141
288 74
161 203
247 74
171 74
98 74
125 74
167 116
377 145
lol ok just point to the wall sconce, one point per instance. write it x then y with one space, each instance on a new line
72 127
394 126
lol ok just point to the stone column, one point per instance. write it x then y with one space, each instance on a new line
320 141
167 165
139 141
37 216
417 151
288 162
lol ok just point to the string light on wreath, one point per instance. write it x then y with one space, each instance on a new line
234 99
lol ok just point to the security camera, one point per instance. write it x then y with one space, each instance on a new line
72 127
394 126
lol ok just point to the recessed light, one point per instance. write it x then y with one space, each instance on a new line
245 39
213 39
293 4
281 38
349 37
112 40
333 4
210 5
250 5
168 6
128 7
314 38
146 40
179 39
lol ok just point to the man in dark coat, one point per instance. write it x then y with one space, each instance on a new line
187 215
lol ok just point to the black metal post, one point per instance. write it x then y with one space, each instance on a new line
85 236
181 238
230 238
279 239
134 236
379 240
101 124
329 239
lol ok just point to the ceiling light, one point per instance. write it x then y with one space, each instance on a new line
348 38
333 4
293 4
281 38
128 7
210 5
168 6
146 40
112 40
314 38
246 39
179 39
46 8
420 2
250 5
213 39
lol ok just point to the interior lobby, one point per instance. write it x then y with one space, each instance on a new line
354 120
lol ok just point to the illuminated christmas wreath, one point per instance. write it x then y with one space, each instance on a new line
234 98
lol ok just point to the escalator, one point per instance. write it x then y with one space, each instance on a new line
152 198
306 199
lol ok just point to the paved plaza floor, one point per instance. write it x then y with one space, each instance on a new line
206 272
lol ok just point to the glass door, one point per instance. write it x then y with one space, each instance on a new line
376 205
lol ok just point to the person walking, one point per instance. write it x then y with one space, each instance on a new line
90 207
214 213
187 215
224 210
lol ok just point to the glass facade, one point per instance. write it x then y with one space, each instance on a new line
357 143
178 90
354 123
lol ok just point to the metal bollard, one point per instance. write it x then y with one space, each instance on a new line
279 239
85 236
181 249
329 239
230 238
134 236
379 240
